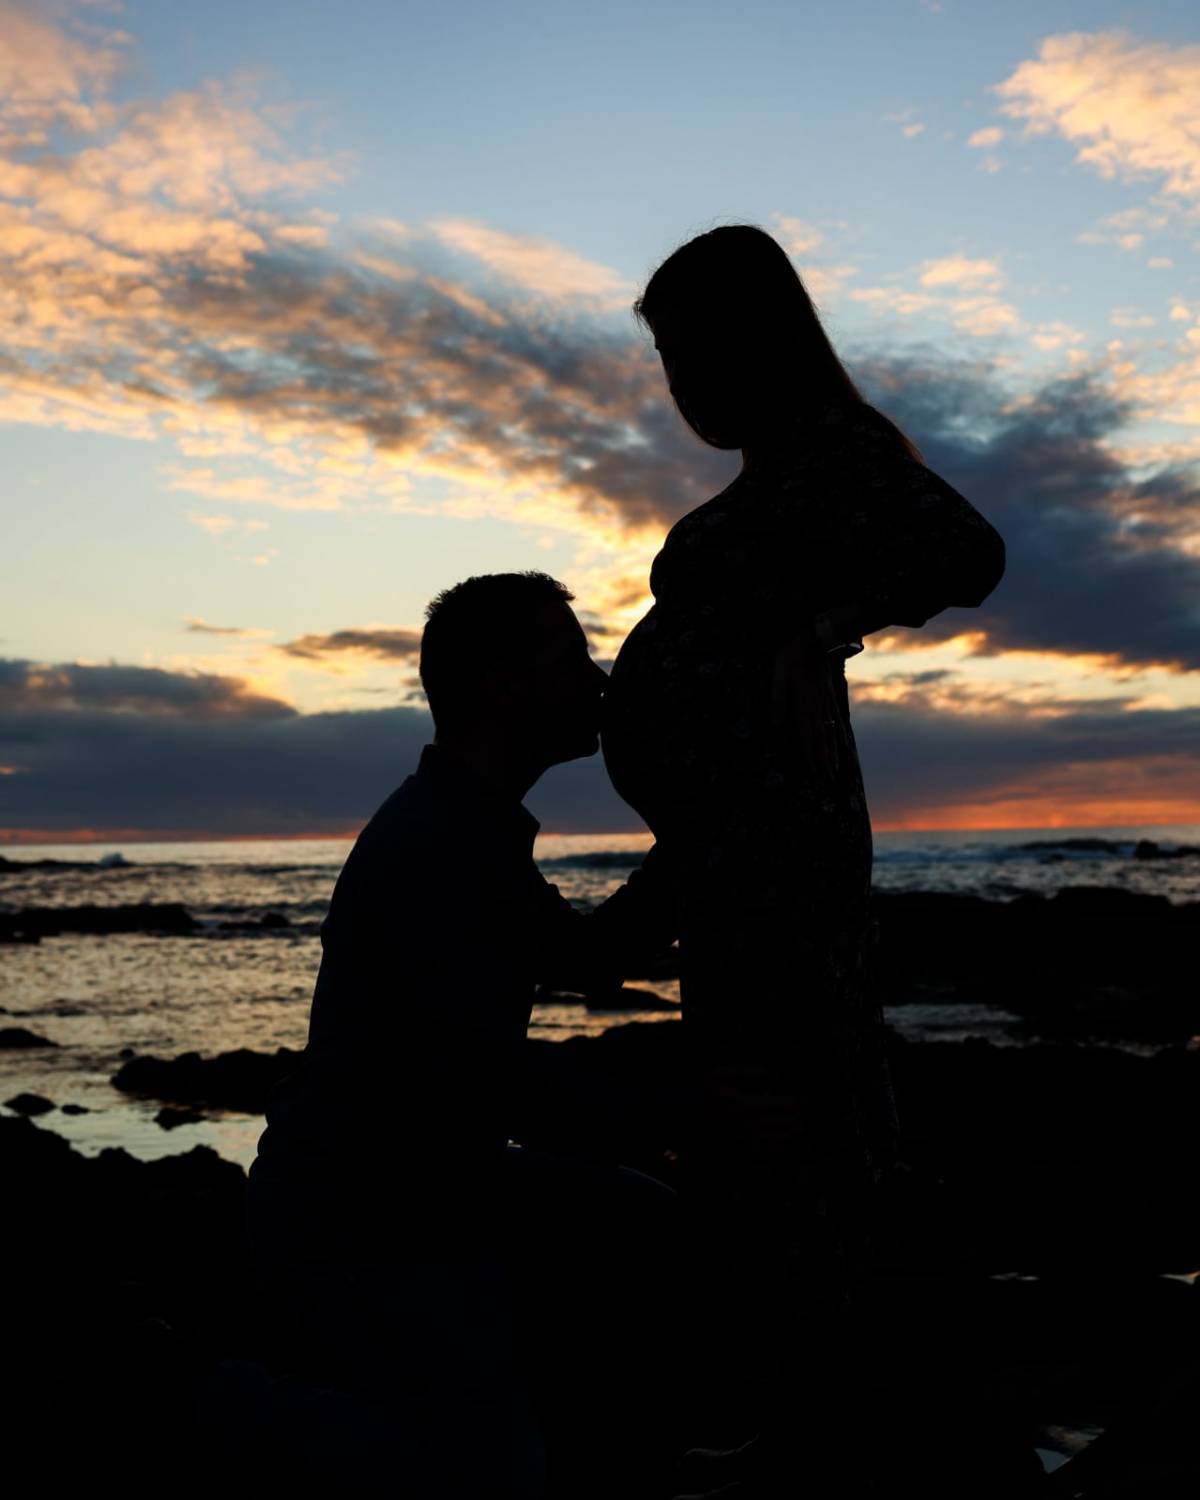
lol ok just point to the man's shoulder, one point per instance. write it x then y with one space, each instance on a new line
392 861
403 825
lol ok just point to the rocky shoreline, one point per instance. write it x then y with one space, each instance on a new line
1086 961
1037 1250
1047 1205
1042 1156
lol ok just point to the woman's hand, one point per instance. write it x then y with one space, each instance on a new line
806 705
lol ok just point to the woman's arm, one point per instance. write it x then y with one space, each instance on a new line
896 546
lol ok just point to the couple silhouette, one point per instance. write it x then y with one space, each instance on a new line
478 1319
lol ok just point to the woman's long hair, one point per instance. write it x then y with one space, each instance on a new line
742 267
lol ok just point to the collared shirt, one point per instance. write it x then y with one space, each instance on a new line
439 929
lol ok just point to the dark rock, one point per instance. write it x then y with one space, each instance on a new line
48 921
1148 849
107 862
1045 1157
17 1036
1109 901
75 1109
270 921
1087 962
238 1080
29 1104
1072 1165
1079 845
170 1118
1042 1158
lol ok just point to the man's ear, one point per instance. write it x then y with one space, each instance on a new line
505 689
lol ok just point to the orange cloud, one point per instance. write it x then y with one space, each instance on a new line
960 271
1055 335
50 76
28 687
1132 107
168 301
386 642
909 126
536 264
198 626
802 240
1125 793
956 287
798 237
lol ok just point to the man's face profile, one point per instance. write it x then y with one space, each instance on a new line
564 687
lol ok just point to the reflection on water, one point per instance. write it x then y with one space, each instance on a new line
243 985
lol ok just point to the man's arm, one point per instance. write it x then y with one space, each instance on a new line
593 952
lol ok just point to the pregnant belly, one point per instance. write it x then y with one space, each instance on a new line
680 711
630 728
688 743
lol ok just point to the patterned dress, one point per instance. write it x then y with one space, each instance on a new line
794 1119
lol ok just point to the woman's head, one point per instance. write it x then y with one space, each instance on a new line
740 341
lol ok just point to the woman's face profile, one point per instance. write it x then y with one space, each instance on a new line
718 374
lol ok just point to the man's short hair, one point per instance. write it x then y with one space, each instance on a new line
462 627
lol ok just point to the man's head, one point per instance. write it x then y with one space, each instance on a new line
504 656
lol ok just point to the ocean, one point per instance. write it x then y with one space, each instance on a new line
236 980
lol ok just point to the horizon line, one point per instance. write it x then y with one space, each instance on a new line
89 837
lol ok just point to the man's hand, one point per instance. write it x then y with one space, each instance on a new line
805 705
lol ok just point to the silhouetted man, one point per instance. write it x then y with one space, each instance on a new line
390 1219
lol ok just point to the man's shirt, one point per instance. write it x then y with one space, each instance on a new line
439 929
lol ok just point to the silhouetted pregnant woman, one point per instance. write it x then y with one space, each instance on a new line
728 729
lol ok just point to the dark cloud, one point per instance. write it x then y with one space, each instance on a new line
914 756
1083 575
202 627
386 644
1095 562
353 344
321 773
279 772
31 688
408 364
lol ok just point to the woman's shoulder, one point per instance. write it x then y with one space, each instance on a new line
863 435
710 518
855 449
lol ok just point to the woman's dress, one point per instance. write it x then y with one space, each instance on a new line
795 1114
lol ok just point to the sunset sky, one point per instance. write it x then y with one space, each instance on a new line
309 310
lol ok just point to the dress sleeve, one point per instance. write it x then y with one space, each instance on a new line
917 548
911 546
